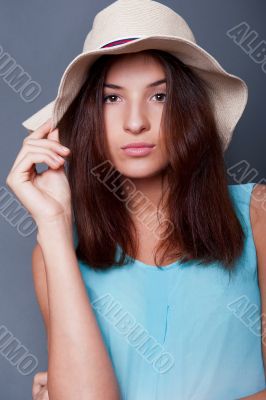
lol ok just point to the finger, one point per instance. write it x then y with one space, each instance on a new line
39 133
20 174
51 144
41 377
21 180
39 381
46 143
53 135
36 391
39 149
43 130
41 395
44 395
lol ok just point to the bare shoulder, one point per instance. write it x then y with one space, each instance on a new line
258 214
40 283
258 222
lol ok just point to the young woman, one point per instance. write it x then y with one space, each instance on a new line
146 293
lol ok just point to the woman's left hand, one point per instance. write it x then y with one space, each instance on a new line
39 386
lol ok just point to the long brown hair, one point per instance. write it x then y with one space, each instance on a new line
205 225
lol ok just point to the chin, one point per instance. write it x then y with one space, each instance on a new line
139 172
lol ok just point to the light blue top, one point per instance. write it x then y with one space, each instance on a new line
183 332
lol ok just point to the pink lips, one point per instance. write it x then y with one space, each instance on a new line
138 149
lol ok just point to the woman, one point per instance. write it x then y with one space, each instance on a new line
160 245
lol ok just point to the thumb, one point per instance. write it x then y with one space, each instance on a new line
54 135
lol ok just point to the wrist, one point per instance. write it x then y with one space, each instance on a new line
55 228
47 222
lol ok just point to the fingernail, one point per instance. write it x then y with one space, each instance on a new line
59 158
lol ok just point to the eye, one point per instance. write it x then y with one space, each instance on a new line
110 96
160 95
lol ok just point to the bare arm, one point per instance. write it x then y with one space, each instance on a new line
78 362
258 221
40 284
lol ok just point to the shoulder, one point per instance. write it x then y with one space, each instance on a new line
40 283
258 214
258 222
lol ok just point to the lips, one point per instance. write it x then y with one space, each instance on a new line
138 145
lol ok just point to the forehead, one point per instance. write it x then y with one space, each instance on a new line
135 63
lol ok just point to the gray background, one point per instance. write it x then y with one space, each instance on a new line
43 37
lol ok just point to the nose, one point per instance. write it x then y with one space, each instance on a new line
136 119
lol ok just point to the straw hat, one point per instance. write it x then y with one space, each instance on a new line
127 26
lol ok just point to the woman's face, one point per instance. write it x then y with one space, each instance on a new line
132 106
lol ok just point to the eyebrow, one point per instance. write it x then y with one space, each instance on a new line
156 83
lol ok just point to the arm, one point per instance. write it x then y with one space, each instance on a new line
258 221
39 384
40 284
78 362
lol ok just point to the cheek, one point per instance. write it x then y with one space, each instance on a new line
111 116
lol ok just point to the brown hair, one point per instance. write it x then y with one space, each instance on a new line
206 226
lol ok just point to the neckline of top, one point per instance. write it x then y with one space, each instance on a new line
177 263
174 264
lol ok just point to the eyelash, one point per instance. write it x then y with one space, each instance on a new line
114 95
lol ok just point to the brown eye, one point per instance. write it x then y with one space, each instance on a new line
110 96
160 96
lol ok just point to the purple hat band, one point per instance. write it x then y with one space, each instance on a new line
117 42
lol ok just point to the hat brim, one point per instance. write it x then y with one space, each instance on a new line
36 120
228 92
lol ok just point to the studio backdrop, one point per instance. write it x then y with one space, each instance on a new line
37 41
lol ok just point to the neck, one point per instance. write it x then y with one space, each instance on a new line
150 192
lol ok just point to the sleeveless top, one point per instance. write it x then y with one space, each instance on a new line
183 331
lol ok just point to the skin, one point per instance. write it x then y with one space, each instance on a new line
84 371
39 387
258 224
135 115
